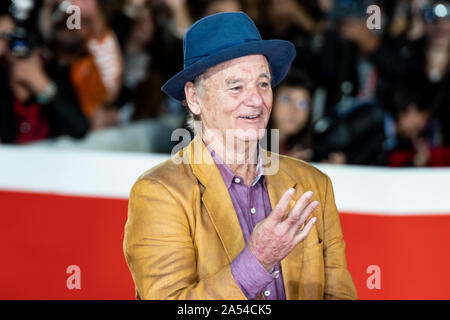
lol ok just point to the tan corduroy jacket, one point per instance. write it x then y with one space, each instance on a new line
182 232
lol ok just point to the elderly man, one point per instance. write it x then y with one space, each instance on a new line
213 222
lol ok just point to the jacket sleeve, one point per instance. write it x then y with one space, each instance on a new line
338 280
160 251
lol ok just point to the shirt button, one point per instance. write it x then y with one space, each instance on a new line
237 180
276 274
253 210
267 293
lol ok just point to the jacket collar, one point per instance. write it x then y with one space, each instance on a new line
228 175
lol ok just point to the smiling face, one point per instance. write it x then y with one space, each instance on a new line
236 95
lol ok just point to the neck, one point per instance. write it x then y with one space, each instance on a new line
240 156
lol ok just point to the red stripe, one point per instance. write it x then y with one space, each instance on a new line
43 234
412 253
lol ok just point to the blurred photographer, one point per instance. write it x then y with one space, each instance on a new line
91 52
416 45
346 70
397 130
36 98
410 120
147 44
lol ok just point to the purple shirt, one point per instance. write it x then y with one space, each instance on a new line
252 204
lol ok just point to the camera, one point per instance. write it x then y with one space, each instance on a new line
19 40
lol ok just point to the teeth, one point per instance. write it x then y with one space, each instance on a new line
251 117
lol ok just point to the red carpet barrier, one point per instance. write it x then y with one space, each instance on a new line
67 208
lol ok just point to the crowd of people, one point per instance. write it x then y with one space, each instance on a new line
354 95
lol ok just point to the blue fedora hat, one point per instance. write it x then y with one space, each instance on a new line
225 36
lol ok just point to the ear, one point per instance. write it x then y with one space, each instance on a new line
192 98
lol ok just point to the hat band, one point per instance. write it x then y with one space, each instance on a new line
188 61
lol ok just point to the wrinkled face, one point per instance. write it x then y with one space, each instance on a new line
236 95
291 109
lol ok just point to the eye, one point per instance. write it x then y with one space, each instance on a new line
265 84
236 89
302 104
285 99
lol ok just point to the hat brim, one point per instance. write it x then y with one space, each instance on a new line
279 54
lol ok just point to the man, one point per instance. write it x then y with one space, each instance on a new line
212 223
37 100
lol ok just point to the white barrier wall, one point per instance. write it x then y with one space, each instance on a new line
375 190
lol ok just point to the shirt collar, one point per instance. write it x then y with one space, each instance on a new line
228 175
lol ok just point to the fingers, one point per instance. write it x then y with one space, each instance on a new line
281 207
299 237
304 215
307 212
298 208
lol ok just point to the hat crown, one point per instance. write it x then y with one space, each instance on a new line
217 32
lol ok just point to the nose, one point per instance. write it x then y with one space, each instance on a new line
253 97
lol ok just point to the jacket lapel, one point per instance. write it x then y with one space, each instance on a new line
277 184
216 198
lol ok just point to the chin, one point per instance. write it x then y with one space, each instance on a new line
249 134
250 130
